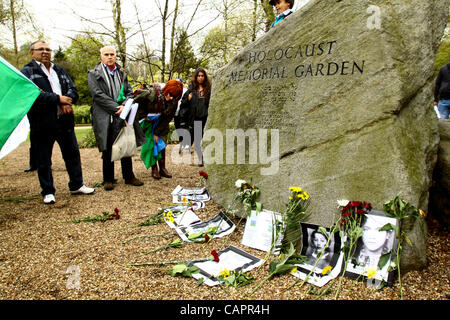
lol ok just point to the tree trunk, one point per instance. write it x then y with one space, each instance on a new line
270 13
172 37
14 32
163 54
120 36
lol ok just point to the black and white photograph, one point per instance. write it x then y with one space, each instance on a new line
314 241
371 246
192 195
231 259
224 227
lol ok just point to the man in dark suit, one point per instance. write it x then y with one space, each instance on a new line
51 119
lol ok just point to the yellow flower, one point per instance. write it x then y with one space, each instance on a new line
184 200
294 270
371 272
422 213
290 198
326 270
306 195
295 189
225 273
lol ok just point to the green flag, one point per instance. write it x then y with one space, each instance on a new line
17 95
121 98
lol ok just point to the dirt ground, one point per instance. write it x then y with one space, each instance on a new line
40 251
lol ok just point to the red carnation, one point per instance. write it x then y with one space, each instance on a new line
367 205
116 211
215 255
206 238
203 174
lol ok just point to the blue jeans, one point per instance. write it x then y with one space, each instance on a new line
444 108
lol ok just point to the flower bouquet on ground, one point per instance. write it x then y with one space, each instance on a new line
402 211
350 225
100 218
295 212
247 194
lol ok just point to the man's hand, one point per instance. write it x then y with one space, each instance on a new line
119 110
65 100
190 96
435 103
66 109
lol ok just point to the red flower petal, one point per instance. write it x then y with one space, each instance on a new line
215 255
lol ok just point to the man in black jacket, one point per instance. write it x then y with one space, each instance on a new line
51 119
442 91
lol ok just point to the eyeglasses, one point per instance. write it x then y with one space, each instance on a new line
42 49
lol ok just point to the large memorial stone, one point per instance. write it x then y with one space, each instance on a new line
337 100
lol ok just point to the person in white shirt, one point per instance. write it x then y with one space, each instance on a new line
51 119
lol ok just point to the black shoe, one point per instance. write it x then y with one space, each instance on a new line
30 169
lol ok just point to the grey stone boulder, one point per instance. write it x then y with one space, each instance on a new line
336 100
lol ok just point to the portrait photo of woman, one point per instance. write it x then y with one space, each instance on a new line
372 245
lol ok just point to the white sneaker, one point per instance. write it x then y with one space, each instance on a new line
49 199
84 190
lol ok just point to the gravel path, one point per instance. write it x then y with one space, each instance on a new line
40 252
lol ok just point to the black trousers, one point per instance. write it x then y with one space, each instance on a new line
108 167
197 136
33 150
44 142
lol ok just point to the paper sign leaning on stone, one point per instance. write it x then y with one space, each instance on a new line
260 231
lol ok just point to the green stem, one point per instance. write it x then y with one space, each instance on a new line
261 283
156 263
317 261
145 236
398 270
323 292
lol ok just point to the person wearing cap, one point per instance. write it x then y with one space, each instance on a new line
283 8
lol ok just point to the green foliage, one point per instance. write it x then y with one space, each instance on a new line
223 42
236 279
88 141
157 218
200 236
443 55
182 270
184 57
82 114
82 55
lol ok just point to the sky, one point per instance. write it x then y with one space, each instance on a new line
60 19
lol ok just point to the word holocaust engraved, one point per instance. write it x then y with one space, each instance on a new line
314 60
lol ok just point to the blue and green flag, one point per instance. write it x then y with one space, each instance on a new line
17 95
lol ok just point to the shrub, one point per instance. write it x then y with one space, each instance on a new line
88 141
82 114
